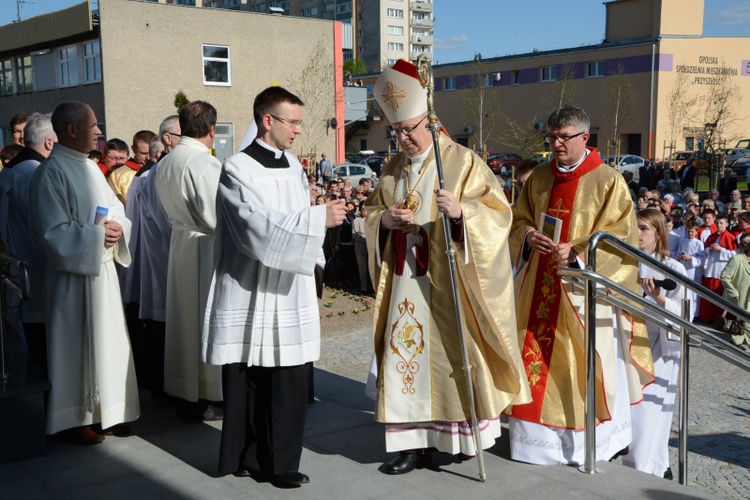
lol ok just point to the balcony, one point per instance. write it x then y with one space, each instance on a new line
422 6
427 23
426 39
416 53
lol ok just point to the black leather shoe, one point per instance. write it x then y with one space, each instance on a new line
289 479
402 464
243 472
668 474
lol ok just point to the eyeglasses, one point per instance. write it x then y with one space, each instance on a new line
176 135
115 159
562 138
406 130
289 123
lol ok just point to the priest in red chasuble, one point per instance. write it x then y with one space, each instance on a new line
585 196
421 386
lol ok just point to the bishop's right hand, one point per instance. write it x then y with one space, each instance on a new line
335 213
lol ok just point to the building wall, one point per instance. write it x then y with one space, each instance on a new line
160 53
643 132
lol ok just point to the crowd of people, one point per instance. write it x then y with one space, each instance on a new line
219 267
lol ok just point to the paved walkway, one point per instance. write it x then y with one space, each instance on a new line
344 450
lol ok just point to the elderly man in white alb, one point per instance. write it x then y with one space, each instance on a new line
421 385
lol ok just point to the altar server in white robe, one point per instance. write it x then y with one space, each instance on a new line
83 229
652 419
262 322
186 183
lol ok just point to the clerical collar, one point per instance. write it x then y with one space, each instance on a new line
266 155
567 169
417 161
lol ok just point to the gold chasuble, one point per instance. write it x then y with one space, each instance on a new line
416 337
591 198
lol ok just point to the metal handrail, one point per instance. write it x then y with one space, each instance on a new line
22 289
655 314
591 280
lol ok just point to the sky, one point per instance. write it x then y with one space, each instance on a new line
492 28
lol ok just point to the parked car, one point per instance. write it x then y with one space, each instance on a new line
731 155
739 168
353 171
679 158
496 162
376 163
354 158
627 163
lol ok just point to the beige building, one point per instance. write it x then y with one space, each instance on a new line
654 62
130 58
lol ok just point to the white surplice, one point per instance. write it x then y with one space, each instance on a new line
263 307
652 418
186 184
90 363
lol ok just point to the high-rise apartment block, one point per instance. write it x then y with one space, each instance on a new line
378 32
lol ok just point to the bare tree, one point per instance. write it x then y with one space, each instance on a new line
523 137
481 107
563 90
721 115
619 102
315 85
678 107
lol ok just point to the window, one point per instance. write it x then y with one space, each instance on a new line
515 77
419 16
216 69
44 69
548 73
92 62
449 83
68 66
396 30
486 81
24 82
595 68
391 62
397 13
690 143
356 170
396 47
6 77
313 11
329 7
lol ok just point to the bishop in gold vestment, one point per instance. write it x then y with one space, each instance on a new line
421 388
587 196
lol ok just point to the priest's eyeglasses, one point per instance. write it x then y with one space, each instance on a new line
406 130
288 123
562 138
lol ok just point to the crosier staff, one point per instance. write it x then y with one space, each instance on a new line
424 71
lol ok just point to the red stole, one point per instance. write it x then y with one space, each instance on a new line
545 306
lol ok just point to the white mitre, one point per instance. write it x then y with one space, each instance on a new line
399 93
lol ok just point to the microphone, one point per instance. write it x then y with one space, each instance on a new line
666 284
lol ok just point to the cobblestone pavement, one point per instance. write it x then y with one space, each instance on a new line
718 427
718 413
